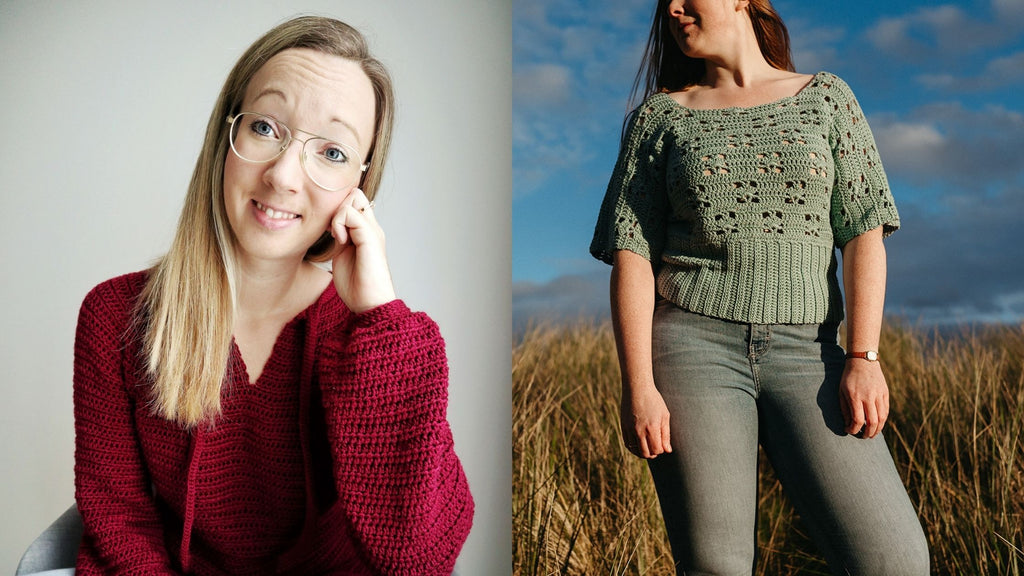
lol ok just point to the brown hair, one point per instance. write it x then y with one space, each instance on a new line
186 313
665 68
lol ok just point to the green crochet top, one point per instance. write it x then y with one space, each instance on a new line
740 209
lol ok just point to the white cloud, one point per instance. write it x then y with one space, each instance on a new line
814 47
910 138
946 28
908 147
574 64
1006 69
943 17
951 144
996 74
1009 9
580 42
890 34
541 84
943 81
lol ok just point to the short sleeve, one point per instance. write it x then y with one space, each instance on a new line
861 198
634 209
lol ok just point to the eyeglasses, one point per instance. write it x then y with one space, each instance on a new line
260 138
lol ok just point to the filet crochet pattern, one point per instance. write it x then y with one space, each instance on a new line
337 460
741 209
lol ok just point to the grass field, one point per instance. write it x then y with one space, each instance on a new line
583 505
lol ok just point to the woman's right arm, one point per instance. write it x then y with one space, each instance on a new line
123 533
644 415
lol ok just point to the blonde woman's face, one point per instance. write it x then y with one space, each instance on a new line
275 209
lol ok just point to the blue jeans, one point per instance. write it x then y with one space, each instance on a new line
730 386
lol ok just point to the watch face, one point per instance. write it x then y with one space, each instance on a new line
872 355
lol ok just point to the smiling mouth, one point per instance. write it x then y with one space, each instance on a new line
274 214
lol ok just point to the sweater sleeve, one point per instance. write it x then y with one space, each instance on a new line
861 199
635 207
384 380
123 533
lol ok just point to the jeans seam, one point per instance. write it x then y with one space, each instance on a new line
755 375
754 351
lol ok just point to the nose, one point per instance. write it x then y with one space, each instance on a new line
285 173
676 8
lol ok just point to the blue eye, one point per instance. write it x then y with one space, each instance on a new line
334 153
262 127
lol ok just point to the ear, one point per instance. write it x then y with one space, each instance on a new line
742 5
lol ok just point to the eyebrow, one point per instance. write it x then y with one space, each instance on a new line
334 119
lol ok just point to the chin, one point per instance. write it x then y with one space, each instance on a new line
324 249
267 249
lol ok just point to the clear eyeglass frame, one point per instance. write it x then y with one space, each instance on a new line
232 119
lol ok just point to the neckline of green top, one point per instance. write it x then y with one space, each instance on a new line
773 104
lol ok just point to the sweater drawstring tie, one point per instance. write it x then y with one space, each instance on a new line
190 499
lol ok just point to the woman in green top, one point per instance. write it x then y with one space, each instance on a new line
736 181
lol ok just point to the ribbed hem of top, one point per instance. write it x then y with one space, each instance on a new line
748 285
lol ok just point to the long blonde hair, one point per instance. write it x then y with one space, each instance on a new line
186 312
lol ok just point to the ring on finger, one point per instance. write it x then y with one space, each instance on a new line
370 205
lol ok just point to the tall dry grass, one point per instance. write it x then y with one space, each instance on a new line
583 505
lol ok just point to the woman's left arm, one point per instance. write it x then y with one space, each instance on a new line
864 395
384 380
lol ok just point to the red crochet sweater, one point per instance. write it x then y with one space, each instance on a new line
338 460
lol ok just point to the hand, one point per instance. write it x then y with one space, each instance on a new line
360 266
864 398
644 418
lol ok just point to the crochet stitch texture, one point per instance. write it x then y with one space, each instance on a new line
740 209
337 460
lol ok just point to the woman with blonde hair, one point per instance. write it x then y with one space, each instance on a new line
736 181
240 409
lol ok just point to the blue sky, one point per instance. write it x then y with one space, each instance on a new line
941 85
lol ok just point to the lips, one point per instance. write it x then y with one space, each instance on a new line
683 23
274 214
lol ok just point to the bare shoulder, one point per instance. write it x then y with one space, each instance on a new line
790 83
688 96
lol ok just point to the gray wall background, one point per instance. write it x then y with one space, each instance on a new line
102 110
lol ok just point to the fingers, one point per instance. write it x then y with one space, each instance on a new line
645 422
666 435
358 201
865 416
644 449
652 439
876 413
844 407
854 417
864 399
870 420
355 220
630 441
644 446
649 441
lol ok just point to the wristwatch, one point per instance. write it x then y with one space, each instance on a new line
870 355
